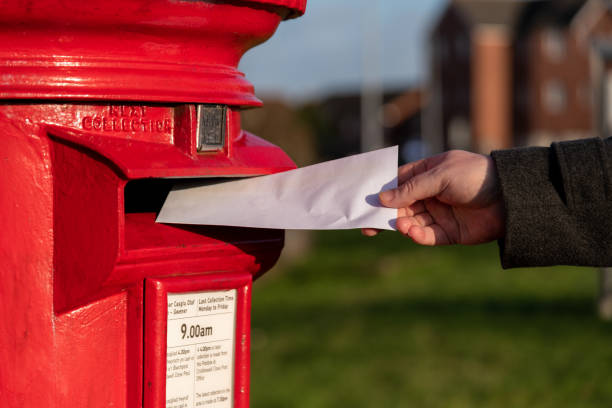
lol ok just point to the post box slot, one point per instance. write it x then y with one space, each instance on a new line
144 198
146 195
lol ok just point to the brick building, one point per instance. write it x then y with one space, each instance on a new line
508 72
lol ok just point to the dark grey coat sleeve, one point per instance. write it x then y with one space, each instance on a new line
558 204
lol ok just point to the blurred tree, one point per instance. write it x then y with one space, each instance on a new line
282 125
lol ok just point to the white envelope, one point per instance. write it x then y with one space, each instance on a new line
338 194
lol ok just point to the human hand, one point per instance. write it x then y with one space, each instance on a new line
451 198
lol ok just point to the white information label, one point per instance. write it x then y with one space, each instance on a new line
200 351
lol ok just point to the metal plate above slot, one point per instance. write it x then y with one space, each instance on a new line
211 127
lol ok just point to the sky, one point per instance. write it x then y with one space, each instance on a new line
323 52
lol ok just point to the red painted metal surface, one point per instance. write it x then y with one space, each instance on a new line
135 50
98 113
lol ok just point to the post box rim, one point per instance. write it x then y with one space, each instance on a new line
297 7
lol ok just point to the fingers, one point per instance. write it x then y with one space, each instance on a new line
411 210
420 187
408 171
430 235
422 220
372 232
405 173
369 232
423 229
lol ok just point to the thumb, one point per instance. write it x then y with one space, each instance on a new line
420 187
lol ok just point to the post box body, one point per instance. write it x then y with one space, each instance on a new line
102 109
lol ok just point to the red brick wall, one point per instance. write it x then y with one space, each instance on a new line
570 71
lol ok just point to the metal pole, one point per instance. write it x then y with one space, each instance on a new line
372 136
605 293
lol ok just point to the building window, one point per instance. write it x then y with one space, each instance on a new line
554 96
554 44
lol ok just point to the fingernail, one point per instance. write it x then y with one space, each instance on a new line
386 195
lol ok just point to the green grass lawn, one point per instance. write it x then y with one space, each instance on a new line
384 323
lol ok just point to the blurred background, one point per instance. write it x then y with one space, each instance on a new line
349 321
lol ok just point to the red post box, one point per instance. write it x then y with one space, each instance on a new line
104 105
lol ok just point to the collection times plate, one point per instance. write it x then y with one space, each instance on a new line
200 349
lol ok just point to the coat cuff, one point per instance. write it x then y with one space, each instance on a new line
556 204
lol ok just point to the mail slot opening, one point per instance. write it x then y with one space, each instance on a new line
143 237
143 199
146 195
